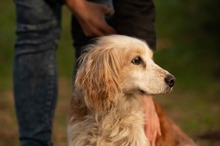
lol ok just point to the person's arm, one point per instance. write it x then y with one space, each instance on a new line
152 125
91 17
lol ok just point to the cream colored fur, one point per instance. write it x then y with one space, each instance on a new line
106 109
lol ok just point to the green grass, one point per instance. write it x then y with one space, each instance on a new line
186 47
7 39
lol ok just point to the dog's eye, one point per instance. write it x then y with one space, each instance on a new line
137 60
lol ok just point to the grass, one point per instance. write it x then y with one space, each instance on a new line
184 48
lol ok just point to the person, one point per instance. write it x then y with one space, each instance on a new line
38 26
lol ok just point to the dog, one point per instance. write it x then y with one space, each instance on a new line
114 74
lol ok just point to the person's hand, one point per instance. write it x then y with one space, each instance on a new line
152 125
91 17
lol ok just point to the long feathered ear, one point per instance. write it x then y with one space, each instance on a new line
98 77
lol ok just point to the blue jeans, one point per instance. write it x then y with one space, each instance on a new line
35 68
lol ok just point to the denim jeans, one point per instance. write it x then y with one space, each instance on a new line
35 68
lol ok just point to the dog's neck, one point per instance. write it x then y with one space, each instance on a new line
124 105
125 118
122 124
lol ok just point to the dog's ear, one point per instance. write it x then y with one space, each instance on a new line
98 77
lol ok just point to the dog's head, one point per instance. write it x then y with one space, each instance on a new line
119 64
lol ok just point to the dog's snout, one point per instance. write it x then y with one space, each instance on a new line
170 80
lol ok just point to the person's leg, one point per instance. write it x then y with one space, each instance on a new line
136 18
35 72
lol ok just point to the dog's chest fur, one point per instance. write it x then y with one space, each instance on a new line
120 126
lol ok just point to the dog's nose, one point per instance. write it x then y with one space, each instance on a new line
170 80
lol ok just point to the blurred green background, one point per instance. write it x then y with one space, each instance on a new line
188 46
